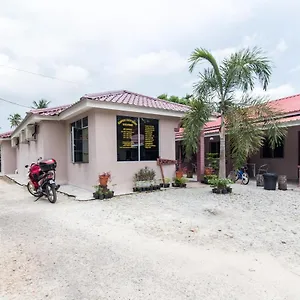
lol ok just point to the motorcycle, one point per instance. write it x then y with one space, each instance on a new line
41 179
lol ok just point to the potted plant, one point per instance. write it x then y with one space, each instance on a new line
144 180
207 178
98 194
180 182
104 178
109 194
213 164
179 174
220 186
161 184
167 183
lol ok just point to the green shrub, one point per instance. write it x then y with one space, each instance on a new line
219 183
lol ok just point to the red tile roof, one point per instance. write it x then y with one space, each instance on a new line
53 111
130 98
287 105
6 135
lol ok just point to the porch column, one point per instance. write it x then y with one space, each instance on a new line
201 157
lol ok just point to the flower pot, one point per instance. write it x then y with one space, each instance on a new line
96 195
103 180
112 193
208 171
214 190
179 174
218 191
101 197
183 185
224 191
166 185
229 189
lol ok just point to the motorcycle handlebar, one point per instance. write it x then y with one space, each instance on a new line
38 160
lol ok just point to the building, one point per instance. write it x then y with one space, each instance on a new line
284 160
118 132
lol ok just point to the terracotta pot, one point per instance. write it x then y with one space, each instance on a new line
179 174
103 180
208 171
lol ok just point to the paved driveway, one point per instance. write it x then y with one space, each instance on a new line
177 244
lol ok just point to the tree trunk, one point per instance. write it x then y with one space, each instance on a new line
222 162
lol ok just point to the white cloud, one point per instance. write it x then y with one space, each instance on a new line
72 73
296 69
281 46
75 40
276 92
152 63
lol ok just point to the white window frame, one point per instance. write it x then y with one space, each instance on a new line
73 141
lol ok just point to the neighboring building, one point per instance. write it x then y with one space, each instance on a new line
7 165
284 160
99 133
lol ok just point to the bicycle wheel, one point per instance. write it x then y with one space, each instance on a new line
233 175
245 178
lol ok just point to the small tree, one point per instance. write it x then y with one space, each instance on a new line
247 120
42 103
15 120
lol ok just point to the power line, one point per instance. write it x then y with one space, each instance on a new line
15 103
38 74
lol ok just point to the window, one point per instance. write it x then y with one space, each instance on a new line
268 152
80 141
215 148
137 139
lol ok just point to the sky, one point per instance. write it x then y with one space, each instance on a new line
142 46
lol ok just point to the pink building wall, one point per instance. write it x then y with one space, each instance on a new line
28 153
287 165
54 141
282 166
8 158
50 143
83 174
103 152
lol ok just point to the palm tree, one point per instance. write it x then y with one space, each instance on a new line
14 120
42 103
249 120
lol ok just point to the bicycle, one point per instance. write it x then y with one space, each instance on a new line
240 174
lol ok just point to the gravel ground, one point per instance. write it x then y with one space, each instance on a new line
174 244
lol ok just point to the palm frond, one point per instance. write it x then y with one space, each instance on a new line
200 55
42 103
249 124
193 123
207 84
243 68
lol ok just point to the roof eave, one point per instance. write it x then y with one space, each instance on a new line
30 117
87 103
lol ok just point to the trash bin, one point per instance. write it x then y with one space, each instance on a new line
270 180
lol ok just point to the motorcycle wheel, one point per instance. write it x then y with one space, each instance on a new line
51 193
32 190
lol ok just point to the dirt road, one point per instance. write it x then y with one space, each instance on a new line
183 244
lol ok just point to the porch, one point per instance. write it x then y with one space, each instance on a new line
283 160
